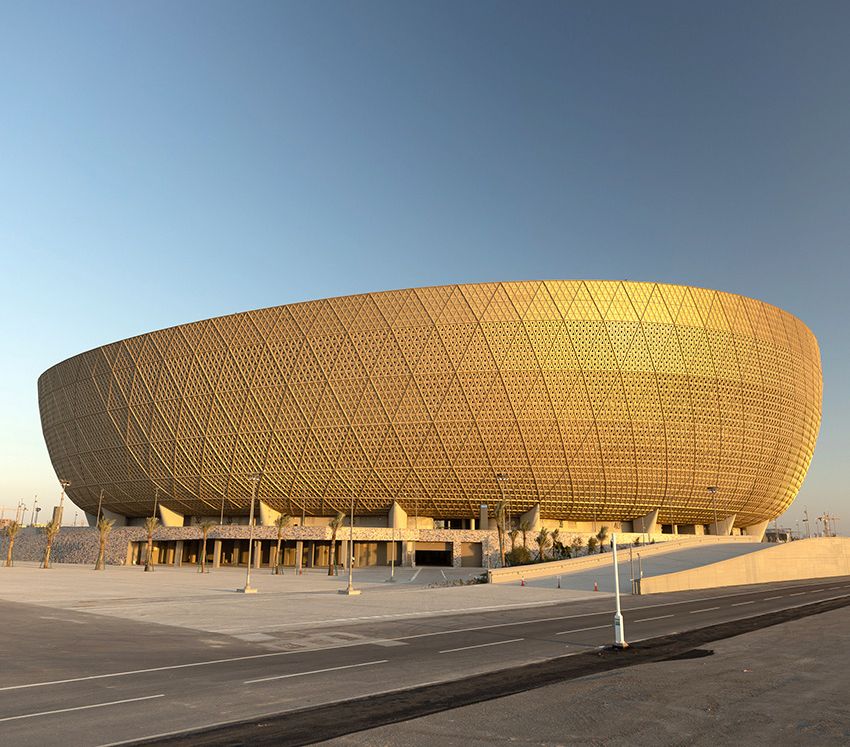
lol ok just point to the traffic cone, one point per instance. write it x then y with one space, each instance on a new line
595 586
559 582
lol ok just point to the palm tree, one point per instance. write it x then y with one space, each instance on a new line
602 535
150 528
104 527
525 528
500 513
281 522
542 541
513 535
11 532
205 531
335 524
557 547
50 532
577 544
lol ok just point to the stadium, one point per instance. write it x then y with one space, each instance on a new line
641 406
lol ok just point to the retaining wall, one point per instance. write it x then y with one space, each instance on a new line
819 557
563 567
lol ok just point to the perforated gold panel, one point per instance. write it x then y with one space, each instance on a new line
597 399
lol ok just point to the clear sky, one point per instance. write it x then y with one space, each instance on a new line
166 162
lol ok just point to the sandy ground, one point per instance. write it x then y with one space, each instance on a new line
788 684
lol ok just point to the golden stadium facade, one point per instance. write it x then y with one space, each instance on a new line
594 400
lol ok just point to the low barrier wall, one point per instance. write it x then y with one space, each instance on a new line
819 557
563 567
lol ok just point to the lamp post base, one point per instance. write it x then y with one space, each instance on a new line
350 592
247 590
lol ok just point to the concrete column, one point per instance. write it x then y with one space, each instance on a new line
472 523
647 524
675 528
397 517
532 516
257 557
757 530
723 526
299 556
178 553
407 556
217 554
268 515
129 558
483 518
456 555
119 519
169 518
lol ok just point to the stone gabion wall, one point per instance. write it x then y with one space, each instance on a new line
80 544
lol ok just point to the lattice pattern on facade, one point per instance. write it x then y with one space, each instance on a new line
597 400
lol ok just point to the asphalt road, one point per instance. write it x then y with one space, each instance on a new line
77 679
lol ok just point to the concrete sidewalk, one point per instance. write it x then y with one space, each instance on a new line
210 602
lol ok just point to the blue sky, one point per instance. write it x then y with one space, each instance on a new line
166 162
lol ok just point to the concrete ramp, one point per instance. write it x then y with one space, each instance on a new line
819 557
653 565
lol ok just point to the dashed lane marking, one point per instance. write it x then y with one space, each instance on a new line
82 708
315 671
704 609
581 630
647 619
481 645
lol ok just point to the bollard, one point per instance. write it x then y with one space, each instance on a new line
595 586
559 582
522 582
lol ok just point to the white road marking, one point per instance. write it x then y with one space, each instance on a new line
647 619
443 574
768 599
798 594
315 671
413 577
581 630
481 645
82 708
400 638
704 609
739 604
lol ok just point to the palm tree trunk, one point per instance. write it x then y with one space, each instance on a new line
46 563
99 566
148 563
9 563
204 556
500 530
331 553
277 559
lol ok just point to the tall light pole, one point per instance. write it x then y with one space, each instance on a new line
255 480
99 506
64 483
502 478
712 491
35 510
351 591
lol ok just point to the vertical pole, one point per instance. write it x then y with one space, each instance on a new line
619 638
350 591
632 568
99 506
248 588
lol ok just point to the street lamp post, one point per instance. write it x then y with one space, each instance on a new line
502 478
712 491
248 589
64 483
35 510
350 591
